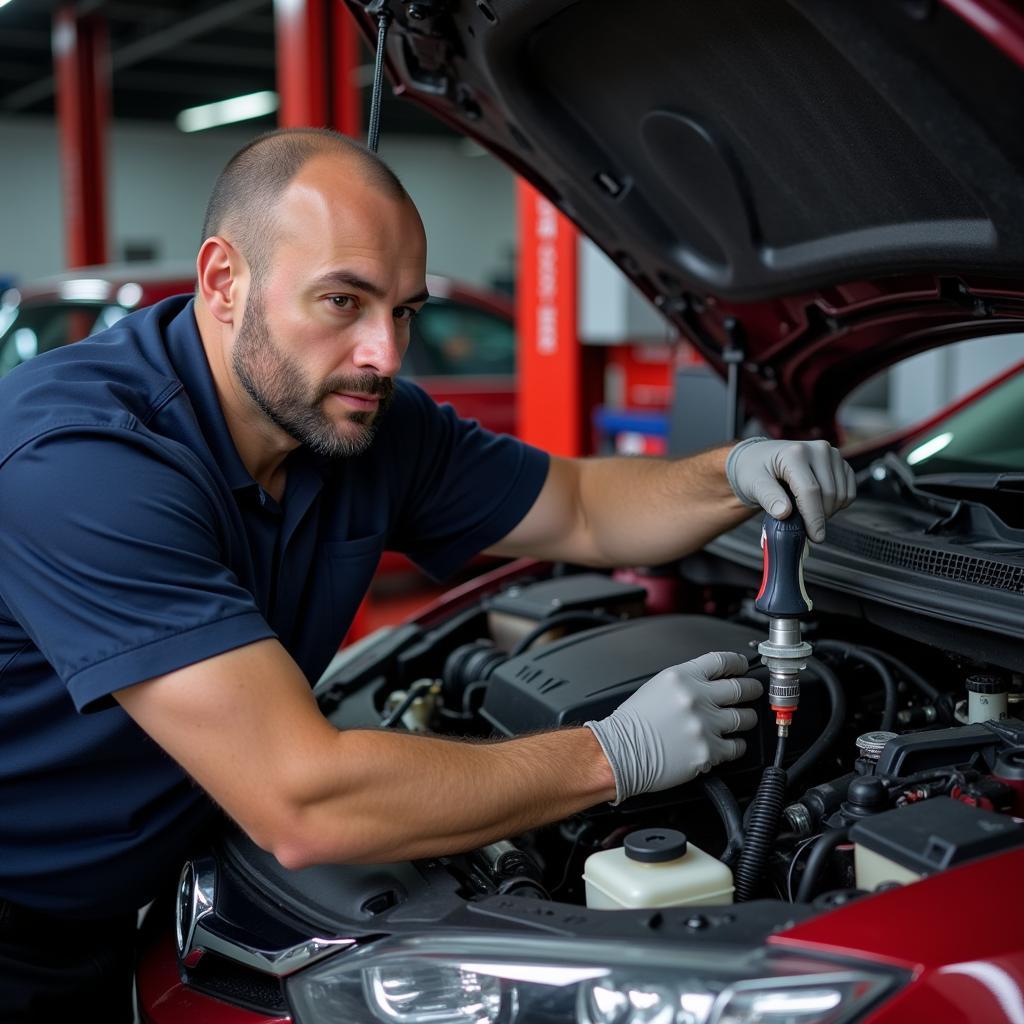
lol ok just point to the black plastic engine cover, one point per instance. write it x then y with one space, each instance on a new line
587 675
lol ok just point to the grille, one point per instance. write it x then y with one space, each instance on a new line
983 572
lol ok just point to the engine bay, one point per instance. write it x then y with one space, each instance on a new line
903 760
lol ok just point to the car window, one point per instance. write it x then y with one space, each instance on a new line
454 338
39 328
919 388
985 436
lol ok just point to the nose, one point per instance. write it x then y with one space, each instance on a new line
379 348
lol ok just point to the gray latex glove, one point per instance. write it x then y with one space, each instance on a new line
673 727
815 473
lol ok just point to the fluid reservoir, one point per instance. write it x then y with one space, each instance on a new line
655 868
986 698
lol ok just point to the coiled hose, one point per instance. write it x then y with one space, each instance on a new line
762 827
761 820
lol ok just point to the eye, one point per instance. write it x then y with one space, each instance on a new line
405 314
342 302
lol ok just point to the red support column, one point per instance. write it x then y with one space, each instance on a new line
347 106
317 54
82 71
549 368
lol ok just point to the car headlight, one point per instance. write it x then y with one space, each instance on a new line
476 980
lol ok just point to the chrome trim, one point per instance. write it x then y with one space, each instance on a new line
199 930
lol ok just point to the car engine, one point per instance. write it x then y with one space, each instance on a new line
904 759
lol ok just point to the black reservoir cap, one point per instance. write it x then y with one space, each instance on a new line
936 834
987 684
655 845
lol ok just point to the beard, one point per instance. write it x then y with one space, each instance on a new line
282 392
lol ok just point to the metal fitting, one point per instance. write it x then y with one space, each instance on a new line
785 653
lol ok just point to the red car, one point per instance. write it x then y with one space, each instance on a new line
463 348
810 191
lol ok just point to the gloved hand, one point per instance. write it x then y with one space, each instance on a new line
673 727
816 474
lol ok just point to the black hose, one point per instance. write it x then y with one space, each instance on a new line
780 751
561 619
416 690
762 827
721 796
471 691
911 676
820 852
878 666
830 733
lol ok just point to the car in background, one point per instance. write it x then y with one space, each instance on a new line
463 347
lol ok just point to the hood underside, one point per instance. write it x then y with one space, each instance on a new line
773 175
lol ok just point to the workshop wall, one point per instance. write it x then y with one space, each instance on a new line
160 181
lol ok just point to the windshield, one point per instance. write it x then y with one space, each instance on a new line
985 436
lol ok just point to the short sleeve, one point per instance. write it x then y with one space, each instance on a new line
112 561
466 488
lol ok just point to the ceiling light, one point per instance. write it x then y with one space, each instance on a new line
238 108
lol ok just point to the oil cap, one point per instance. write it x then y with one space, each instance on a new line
655 845
871 744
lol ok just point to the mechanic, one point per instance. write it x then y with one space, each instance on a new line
192 505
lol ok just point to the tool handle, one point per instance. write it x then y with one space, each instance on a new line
784 544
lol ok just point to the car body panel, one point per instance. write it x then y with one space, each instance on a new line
961 942
165 998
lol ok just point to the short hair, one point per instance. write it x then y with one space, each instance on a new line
245 195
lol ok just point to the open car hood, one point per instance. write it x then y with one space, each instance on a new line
811 189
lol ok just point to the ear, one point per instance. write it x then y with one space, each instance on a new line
222 277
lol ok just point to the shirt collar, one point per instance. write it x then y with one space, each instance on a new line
185 348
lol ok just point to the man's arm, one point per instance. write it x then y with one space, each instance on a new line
641 511
245 726
627 511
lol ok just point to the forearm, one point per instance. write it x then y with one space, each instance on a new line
648 511
386 796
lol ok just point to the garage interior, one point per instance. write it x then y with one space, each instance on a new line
116 118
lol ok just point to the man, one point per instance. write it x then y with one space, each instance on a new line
191 507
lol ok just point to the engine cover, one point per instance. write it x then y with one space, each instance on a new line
587 675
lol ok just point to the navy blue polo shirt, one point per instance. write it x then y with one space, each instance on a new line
134 542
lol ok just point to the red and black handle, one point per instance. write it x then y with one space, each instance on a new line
784 544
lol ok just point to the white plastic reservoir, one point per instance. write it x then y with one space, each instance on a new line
656 867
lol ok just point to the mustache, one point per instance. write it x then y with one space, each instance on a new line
363 384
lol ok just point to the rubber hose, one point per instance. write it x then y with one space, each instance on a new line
911 676
820 852
831 731
416 690
762 827
721 796
878 667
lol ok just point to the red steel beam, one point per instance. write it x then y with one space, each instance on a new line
317 54
550 362
82 72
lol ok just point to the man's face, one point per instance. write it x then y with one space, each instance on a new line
293 402
327 322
